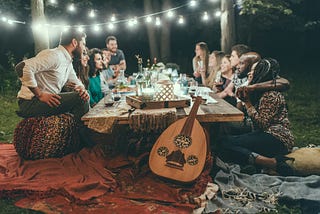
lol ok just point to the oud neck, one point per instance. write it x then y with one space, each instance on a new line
187 128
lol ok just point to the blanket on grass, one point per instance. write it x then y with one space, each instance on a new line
90 182
243 193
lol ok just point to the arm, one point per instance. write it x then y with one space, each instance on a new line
268 108
228 91
195 67
282 84
78 85
122 64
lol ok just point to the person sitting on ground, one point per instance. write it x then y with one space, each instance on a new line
214 68
236 53
272 137
200 61
44 76
226 77
117 55
97 83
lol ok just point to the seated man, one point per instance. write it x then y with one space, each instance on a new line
44 76
110 71
240 78
117 55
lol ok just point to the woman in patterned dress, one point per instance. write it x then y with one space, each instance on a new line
272 137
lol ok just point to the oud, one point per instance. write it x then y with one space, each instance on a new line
180 152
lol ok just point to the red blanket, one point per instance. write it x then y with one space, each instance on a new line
90 182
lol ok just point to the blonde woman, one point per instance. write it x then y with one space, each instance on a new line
200 61
214 68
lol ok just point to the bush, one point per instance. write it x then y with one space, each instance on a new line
8 77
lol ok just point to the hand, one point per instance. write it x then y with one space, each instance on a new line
82 93
53 100
243 94
71 85
218 86
196 74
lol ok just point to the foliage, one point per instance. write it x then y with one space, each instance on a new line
8 77
268 14
14 8
8 117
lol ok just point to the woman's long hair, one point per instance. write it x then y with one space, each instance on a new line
92 63
81 71
204 47
267 69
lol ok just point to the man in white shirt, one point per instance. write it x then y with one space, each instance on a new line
44 75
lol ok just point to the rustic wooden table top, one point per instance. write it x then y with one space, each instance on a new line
221 111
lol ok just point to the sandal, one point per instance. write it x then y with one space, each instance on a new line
283 168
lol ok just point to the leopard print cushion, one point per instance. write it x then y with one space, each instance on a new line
46 137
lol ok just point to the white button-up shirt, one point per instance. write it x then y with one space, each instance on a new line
49 71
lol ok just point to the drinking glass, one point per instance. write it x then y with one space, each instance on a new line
116 96
108 99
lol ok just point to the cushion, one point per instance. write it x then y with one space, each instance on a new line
46 137
307 161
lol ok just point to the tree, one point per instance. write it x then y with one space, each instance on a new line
41 37
159 38
227 23
263 15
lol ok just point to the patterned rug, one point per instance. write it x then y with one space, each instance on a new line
92 182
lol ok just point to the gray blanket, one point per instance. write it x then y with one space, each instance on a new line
242 193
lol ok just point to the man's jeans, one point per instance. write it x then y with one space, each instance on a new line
70 103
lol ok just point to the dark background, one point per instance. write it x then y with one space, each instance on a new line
283 42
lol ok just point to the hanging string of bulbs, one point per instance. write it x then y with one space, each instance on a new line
111 24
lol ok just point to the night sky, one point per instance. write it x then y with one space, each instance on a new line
283 44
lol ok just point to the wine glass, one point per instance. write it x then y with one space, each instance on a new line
108 99
116 96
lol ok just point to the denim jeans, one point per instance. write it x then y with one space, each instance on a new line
239 148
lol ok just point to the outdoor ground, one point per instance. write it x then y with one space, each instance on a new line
303 100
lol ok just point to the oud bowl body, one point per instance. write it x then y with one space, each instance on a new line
192 157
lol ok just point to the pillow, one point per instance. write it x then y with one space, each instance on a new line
46 137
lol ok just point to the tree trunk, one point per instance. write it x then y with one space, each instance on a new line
165 35
40 35
227 24
153 44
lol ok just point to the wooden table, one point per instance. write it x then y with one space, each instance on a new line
207 113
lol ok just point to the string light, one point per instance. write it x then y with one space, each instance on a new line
71 8
53 2
170 14
80 29
4 19
205 16
113 18
193 3
148 18
181 20
110 26
217 13
96 28
158 21
92 14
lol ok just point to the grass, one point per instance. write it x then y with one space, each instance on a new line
8 117
303 100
